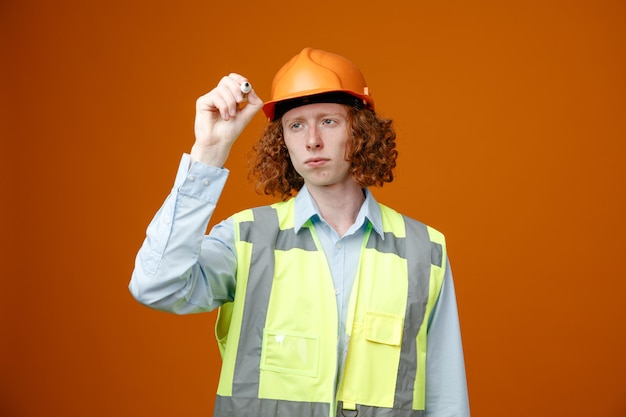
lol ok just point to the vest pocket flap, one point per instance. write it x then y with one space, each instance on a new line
383 328
290 352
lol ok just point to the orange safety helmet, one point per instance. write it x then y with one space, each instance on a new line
316 72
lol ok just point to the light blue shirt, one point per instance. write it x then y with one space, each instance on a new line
182 270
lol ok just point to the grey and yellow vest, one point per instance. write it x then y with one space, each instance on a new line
278 338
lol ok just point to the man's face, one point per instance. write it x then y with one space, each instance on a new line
316 137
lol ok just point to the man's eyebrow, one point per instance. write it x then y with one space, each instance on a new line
317 116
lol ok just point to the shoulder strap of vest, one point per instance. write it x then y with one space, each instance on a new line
400 225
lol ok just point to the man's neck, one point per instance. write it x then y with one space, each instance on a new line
339 206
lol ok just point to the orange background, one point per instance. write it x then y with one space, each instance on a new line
511 126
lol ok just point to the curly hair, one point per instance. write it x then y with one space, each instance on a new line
370 150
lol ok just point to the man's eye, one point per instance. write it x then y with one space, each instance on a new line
327 121
296 125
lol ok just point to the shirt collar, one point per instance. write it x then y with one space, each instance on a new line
306 209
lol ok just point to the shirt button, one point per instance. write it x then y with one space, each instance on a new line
337 291
206 182
339 245
191 178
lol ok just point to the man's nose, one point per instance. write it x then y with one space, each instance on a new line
314 141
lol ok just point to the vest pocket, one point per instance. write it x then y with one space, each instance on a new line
290 352
383 328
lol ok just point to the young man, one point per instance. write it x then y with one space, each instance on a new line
330 303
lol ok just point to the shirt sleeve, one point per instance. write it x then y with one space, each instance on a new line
179 268
446 385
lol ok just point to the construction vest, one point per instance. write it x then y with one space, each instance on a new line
278 338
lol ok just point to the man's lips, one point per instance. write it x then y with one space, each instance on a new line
316 161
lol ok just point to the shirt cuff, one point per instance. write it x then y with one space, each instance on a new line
198 180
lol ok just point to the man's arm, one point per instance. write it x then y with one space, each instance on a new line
446 386
178 268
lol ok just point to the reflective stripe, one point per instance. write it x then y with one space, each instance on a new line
388 244
247 365
436 254
437 272
257 407
366 411
285 240
419 273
